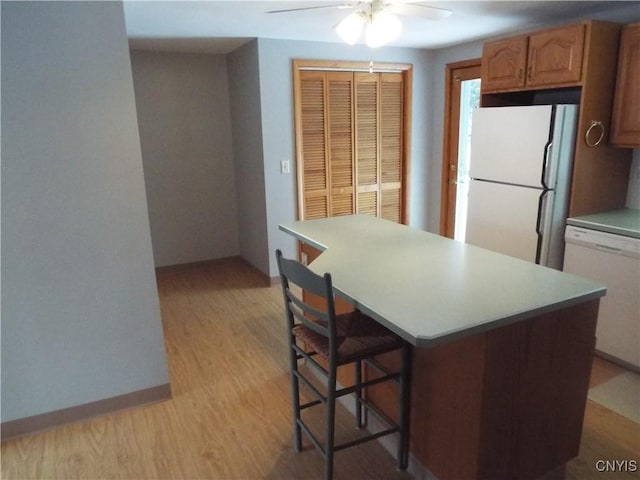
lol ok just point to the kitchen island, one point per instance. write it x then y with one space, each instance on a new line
503 347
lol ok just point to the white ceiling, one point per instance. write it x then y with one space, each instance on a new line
221 26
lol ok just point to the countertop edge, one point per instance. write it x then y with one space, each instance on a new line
624 222
601 227
302 238
425 342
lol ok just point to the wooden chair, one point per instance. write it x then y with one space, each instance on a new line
341 339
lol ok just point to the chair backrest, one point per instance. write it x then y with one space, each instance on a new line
319 319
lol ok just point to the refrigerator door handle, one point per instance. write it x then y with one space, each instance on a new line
540 225
543 228
545 165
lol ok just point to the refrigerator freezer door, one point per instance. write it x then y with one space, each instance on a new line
503 218
508 144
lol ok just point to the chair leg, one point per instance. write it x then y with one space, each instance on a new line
331 418
358 378
295 397
405 407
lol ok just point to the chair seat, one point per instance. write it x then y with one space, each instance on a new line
357 334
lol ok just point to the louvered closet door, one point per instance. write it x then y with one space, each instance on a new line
340 140
314 165
327 143
379 144
351 154
391 145
367 143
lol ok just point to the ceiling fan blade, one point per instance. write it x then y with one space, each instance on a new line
420 10
336 5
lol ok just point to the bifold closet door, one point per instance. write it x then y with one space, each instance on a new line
326 117
379 143
391 145
351 128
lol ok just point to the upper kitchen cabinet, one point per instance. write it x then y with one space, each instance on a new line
504 63
555 57
575 64
546 59
625 121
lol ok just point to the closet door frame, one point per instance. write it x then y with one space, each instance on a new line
339 66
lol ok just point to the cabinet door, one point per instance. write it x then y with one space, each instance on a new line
555 57
503 64
625 122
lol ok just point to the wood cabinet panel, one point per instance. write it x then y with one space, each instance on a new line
508 403
625 122
535 390
504 63
555 56
600 173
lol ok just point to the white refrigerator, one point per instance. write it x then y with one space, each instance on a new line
520 174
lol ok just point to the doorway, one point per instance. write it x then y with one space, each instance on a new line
462 96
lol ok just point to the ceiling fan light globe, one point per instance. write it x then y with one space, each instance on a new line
383 28
350 27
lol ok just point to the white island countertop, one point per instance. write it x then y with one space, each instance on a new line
430 289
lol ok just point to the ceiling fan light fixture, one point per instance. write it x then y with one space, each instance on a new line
350 27
383 28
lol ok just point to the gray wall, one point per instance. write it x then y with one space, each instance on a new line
80 316
185 132
261 106
244 91
275 57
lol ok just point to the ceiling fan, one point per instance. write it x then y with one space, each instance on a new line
377 18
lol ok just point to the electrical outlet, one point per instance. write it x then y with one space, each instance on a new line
285 168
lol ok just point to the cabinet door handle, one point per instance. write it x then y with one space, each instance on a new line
520 72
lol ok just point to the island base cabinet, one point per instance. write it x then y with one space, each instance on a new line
505 404
535 392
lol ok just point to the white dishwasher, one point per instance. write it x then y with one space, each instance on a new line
615 261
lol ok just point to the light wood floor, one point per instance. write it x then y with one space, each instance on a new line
230 413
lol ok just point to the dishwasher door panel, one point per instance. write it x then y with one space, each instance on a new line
618 331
